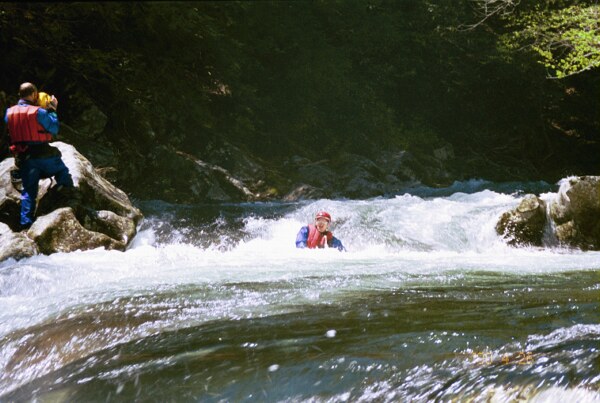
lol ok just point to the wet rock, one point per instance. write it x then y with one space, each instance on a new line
60 231
15 244
106 222
576 211
304 192
93 214
10 197
525 224
566 232
96 192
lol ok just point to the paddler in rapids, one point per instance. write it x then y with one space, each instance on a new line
317 235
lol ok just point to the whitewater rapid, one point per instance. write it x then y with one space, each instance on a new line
405 234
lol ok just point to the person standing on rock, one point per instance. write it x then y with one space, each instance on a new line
30 130
317 235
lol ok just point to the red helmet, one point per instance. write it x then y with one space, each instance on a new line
323 214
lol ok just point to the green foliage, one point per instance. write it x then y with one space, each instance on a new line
567 39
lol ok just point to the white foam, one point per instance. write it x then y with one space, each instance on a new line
395 237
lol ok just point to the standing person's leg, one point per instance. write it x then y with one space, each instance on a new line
30 175
68 195
56 167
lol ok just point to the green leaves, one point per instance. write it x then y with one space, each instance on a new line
566 39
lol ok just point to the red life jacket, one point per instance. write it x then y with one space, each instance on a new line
23 125
317 239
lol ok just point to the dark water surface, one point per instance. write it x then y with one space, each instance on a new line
476 335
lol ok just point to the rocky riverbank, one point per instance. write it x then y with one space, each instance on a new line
96 214
224 172
572 219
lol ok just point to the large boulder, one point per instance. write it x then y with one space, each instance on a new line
525 224
96 192
576 212
93 214
60 231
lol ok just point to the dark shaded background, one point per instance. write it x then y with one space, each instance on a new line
251 86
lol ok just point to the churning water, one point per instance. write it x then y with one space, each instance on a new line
214 303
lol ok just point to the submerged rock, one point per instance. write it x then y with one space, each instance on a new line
93 214
525 224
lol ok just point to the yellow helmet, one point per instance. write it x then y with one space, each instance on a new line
43 100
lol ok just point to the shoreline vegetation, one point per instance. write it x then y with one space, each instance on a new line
238 101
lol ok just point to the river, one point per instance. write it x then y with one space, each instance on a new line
215 303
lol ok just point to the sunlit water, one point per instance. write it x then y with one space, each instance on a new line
214 303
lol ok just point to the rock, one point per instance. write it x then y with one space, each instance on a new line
10 197
217 183
525 224
356 176
85 131
60 231
15 245
106 222
96 192
304 192
360 178
317 174
181 177
398 164
308 180
576 211
566 232
101 155
362 185
236 161
93 214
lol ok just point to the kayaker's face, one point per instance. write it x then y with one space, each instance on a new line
322 224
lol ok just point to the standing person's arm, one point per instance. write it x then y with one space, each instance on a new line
48 120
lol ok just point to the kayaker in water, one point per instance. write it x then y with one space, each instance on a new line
317 235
